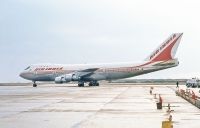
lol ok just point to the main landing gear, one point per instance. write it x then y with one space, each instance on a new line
81 83
93 83
34 84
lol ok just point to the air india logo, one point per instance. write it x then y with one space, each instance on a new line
163 46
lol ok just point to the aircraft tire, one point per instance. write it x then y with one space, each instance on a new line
90 84
97 84
34 85
81 84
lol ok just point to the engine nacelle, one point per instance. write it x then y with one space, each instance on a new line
60 80
66 78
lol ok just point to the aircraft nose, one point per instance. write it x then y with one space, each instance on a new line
22 74
26 75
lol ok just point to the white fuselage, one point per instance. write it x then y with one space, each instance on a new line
48 72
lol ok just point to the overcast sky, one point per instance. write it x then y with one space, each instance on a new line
96 31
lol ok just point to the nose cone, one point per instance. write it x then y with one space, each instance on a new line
27 75
22 74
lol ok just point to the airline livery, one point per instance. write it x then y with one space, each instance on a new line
161 58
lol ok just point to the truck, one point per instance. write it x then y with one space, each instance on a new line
193 83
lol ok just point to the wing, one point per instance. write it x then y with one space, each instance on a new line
85 72
76 75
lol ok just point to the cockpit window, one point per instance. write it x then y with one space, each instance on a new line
27 68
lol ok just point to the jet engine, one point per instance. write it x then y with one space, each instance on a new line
66 78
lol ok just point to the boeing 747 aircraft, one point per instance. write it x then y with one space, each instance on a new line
161 58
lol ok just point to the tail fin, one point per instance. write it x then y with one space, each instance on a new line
167 49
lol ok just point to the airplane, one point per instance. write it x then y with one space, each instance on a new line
161 58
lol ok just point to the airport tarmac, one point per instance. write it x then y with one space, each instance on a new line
106 106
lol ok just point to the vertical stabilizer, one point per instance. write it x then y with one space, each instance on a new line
167 50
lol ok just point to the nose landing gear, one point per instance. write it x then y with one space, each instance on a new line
34 84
